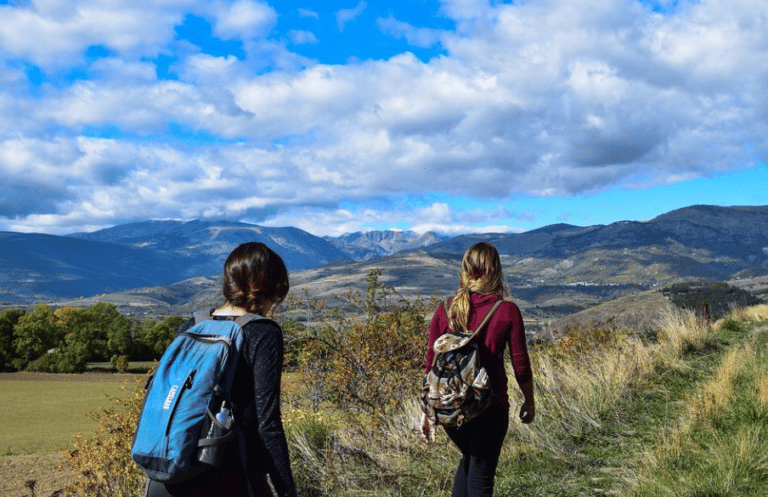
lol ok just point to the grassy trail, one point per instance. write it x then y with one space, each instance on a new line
694 424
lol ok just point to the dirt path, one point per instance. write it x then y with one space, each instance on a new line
46 470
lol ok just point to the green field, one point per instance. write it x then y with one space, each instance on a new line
42 416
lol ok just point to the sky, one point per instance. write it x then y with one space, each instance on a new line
338 116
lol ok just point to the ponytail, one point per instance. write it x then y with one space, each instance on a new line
480 273
255 278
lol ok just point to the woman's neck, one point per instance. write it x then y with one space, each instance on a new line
229 310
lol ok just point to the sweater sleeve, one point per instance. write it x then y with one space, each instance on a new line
518 349
264 354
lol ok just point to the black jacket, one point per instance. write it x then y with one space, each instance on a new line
256 396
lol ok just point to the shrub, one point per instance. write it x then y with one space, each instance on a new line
364 362
103 462
120 363
45 364
731 324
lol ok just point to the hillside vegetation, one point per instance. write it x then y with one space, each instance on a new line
680 412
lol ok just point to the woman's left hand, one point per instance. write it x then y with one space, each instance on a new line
427 429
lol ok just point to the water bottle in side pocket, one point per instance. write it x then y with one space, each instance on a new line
218 433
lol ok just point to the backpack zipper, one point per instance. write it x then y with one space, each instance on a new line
187 385
211 339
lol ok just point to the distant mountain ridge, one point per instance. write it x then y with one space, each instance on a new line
724 230
151 253
546 265
374 244
203 245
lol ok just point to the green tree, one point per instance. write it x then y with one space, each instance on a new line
109 330
157 336
96 333
80 336
8 320
36 333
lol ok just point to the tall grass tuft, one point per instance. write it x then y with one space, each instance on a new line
751 314
684 331
581 378
313 445
716 395
574 392
336 459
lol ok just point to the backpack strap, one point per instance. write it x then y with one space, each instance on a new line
247 318
201 316
239 432
487 318
482 325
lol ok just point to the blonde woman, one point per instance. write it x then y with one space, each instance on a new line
481 284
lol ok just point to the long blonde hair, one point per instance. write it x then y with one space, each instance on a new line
480 273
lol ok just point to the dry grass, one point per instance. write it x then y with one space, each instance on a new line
717 393
683 330
575 391
762 388
751 314
718 447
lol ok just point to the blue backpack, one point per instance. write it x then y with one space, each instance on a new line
187 418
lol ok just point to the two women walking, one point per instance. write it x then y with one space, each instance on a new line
255 281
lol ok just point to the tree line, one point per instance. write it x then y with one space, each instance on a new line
66 339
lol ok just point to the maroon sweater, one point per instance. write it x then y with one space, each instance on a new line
504 330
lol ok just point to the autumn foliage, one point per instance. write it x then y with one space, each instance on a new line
362 362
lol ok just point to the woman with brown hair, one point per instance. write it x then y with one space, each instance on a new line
255 281
481 284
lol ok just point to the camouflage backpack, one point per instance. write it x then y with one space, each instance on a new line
457 388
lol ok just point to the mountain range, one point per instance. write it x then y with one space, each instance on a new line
554 269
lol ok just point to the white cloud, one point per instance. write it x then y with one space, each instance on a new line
300 37
540 98
243 19
344 16
418 37
73 27
308 13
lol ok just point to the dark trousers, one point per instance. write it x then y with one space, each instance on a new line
216 484
480 443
